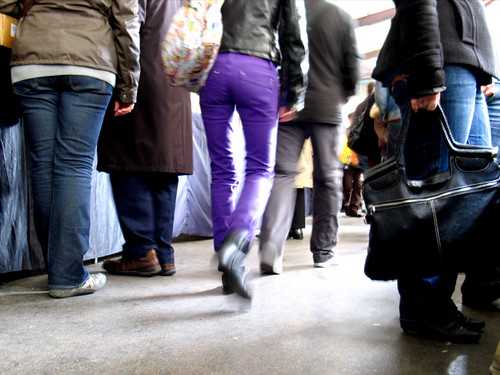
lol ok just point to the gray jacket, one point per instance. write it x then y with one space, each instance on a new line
99 34
334 63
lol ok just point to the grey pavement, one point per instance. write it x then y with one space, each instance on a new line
304 321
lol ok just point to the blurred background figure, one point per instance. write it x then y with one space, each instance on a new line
332 78
352 181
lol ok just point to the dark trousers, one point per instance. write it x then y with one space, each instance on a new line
299 213
145 203
352 185
427 299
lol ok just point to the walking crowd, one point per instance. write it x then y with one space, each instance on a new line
95 82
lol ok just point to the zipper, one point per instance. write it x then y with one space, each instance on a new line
372 208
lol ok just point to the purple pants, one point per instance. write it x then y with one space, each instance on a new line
251 86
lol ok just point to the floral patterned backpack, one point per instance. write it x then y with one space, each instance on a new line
192 43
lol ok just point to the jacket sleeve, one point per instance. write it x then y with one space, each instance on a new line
292 51
351 67
423 55
126 26
10 7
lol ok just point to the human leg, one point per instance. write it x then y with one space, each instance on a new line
81 103
481 287
299 216
217 107
355 198
493 103
426 307
40 125
465 107
427 310
347 182
467 111
133 198
164 199
327 176
257 104
255 88
279 210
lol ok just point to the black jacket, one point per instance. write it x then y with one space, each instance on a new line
436 33
256 33
333 62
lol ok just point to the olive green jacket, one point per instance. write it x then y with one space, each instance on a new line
99 34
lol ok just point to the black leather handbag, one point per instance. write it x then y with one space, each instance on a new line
445 222
361 137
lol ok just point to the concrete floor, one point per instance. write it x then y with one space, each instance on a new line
305 321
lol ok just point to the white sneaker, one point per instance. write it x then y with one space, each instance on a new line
270 261
94 282
273 269
330 262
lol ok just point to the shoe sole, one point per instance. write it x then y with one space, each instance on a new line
99 280
145 273
268 270
328 263
168 271
70 293
429 334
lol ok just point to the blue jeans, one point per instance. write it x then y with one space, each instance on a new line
145 203
251 86
493 103
62 116
429 299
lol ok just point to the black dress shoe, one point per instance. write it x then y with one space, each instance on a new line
451 331
296 234
470 323
232 255
353 212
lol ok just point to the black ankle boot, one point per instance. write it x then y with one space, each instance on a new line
232 254
296 234
470 323
443 331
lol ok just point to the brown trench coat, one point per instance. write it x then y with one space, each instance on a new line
157 135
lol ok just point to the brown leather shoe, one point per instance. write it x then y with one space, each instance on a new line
168 269
146 266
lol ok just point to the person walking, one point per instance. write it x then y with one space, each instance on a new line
68 58
332 78
145 152
245 77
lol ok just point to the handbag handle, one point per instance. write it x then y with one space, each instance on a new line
453 146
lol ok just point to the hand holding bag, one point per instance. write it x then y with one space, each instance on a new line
445 222
192 43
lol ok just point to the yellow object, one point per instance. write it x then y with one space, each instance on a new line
8 26
305 166
345 151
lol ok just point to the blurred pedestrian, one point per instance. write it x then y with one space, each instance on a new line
332 78
258 36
